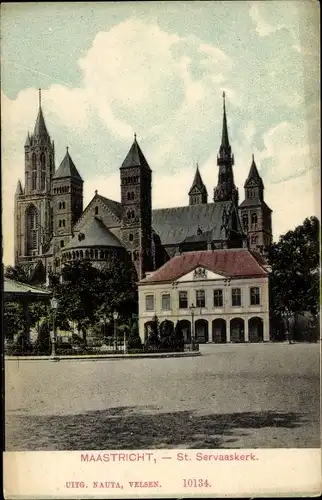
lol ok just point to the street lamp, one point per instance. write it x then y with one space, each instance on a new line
192 310
54 306
115 318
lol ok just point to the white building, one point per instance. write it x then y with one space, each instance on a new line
224 293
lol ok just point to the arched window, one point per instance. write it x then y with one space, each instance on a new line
130 237
128 215
254 239
32 229
245 222
96 210
81 254
92 253
34 171
254 219
132 214
42 171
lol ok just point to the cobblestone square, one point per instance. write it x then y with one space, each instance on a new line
233 396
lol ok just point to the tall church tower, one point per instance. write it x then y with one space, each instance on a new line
198 191
226 189
255 215
33 202
136 228
67 196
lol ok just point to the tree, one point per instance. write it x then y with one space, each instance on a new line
153 340
134 340
166 335
17 273
86 293
294 278
178 338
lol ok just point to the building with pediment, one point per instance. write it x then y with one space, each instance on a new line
52 227
222 293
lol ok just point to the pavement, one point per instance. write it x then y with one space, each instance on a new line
233 396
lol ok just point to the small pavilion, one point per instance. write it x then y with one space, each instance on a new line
24 294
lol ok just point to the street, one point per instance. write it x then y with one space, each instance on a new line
233 396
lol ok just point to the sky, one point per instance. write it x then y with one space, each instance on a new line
158 69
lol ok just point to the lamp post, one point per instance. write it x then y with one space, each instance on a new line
124 341
54 306
192 310
115 318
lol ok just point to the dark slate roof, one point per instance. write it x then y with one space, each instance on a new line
254 175
40 126
254 202
174 225
15 289
114 206
231 263
67 169
95 234
135 157
198 182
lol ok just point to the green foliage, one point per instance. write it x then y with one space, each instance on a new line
13 319
178 338
294 279
153 340
166 335
134 340
16 273
43 342
87 294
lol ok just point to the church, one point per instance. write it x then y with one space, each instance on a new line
52 228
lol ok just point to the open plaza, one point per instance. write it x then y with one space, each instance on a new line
232 396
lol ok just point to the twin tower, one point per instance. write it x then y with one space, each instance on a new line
51 201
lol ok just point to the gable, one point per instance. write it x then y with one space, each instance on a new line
201 274
105 214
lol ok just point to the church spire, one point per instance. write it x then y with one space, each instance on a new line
224 136
226 189
198 191
40 126
253 176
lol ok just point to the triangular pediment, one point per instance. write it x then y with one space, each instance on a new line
201 274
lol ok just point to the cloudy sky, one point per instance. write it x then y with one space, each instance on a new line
108 70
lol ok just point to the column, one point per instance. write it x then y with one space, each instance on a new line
27 321
210 331
228 330
266 336
246 332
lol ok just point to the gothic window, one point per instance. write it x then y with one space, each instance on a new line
132 214
200 298
43 171
96 210
236 297
32 229
62 243
254 296
254 240
81 254
183 300
130 237
34 172
254 219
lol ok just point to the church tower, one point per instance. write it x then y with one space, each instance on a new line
136 228
198 191
255 215
32 203
226 189
67 196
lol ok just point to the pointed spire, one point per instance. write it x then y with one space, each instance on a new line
28 141
198 182
67 168
254 175
19 189
135 157
40 126
224 135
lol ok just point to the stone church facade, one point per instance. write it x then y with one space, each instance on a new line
52 228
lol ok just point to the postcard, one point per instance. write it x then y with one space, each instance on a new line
161 226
